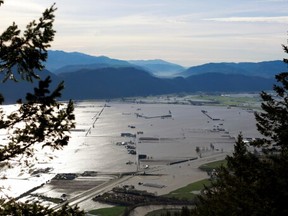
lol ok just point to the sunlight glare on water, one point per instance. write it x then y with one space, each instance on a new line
99 125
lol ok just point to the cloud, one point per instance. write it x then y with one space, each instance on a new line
276 19
273 1
24 7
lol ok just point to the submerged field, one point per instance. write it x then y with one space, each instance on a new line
164 132
159 131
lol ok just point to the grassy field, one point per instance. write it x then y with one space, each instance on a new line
163 212
243 101
213 165
189 191
114 211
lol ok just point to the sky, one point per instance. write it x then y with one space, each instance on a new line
185 32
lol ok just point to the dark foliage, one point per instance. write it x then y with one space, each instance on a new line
28 52
35 209
45 121
132 198
273 121
41 119
254 184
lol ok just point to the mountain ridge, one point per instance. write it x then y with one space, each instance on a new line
110 78
106 83
62 62
266 69
58 59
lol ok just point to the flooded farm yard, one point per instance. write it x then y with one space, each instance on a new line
159 131
116 138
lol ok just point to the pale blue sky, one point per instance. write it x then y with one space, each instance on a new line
186 32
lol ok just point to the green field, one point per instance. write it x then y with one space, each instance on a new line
163 212
190 191
113 211
213 165
239 101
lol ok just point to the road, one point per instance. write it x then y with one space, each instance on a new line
129 179
89 194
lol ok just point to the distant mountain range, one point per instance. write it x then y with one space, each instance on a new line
130 82
114 83
63 62
159 67
90 77
12 91
266 69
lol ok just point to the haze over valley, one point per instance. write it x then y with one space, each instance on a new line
90 77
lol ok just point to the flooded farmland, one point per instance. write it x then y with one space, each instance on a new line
110 137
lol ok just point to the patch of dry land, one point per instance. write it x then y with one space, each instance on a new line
153 144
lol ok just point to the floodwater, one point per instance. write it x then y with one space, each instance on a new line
176 137
163 132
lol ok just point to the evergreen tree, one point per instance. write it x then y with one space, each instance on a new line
255 184
41 119
185 211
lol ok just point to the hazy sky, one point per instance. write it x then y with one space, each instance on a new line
187 32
